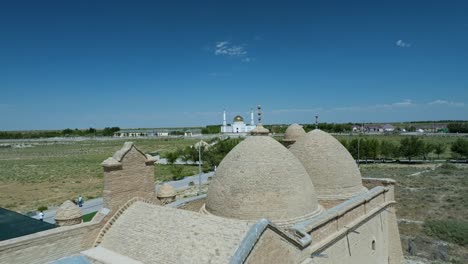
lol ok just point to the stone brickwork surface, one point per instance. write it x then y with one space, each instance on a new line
260 178
127 174
156 234
329 164
272 248
50 245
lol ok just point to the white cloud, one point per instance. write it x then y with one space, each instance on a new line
297 110
400 43
445 102
225 48
405 102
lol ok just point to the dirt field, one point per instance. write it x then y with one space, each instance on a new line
424 193
45 173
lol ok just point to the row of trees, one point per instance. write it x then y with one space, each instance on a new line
408 147
108 131
211 156
461 127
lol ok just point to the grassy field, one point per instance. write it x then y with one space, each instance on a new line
438 192
171 172
47 173
427 193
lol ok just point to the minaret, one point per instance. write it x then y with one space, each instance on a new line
252 117
259 130
224 118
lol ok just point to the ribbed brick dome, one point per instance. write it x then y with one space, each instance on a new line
68 214
166 190
260 178
331 167
294 132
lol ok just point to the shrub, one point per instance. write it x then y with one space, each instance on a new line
448 166
448 230
42 208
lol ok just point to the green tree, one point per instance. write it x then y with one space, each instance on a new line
426 149
373 148
211 129
353 147
171 157
216 153
67 132
109 131
191 153
411 147
388 149
344 142
460 147
439 148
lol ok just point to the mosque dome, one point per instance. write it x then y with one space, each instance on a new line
294 132
238 118
331 167
260 178
68 214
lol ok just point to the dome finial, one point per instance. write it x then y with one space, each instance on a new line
259 130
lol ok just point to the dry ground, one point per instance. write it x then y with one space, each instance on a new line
427 192
47 173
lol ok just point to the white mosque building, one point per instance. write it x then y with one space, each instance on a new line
238 125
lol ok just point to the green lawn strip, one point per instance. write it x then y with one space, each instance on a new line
88 217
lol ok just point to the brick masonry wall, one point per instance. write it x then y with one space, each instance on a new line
134 179
50 245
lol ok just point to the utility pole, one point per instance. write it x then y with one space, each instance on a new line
358 143
199 168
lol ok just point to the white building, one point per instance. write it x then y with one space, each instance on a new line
238 125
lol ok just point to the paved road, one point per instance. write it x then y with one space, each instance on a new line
94 205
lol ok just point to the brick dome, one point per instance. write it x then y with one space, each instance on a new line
166 191
331 167
68 214
260 178
294 132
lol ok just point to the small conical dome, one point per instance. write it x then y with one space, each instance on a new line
293 133
331 167
260 178
259 130
166 191
68 214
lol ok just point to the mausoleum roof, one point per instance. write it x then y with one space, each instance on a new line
260 178
68 211
294 132
330 166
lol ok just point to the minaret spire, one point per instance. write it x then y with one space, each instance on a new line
252 117
224 118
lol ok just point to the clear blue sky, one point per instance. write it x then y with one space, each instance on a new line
157 64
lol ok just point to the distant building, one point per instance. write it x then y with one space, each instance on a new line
238 125
135 133
388 128
141 133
